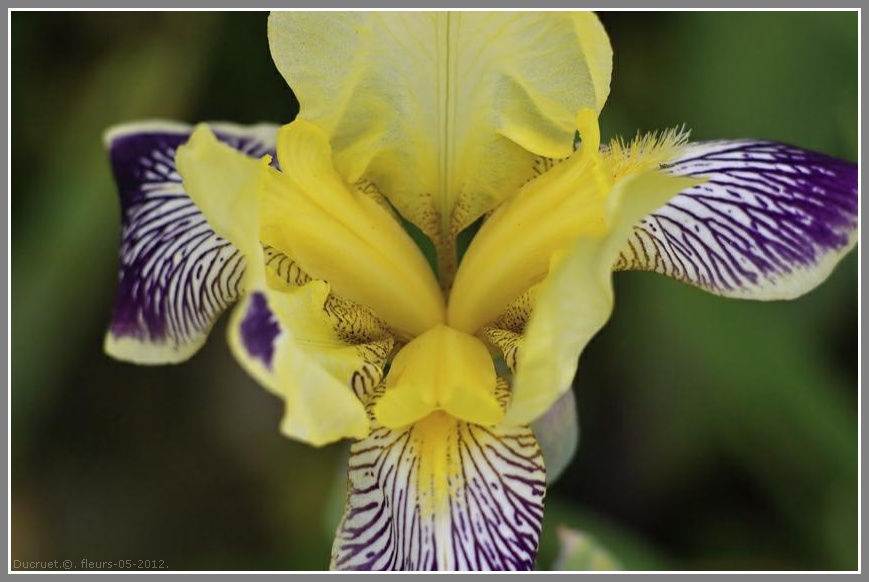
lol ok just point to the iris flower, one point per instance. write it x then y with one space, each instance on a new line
420 257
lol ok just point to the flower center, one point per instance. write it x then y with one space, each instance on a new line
442 369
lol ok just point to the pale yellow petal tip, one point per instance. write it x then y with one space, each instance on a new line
225 185
639 194
202 147
353 424
303 146
126 349
397 409
201 137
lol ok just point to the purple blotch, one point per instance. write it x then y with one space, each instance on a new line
259 328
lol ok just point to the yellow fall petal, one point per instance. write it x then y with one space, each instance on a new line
445 112
576 299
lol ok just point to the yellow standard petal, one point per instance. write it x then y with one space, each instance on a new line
445 112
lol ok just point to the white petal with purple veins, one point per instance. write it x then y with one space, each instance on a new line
442 494
176 275
770 222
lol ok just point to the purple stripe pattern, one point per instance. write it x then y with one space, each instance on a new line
176 275
494 481
767 216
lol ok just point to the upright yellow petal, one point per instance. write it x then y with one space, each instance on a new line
445 112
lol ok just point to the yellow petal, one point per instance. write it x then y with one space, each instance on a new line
445 112
225 185
442 369
286 337
291 343
338 234
513 249
576 299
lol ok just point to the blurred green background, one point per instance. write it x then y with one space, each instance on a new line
716 434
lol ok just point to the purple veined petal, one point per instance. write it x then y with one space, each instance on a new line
176 275
442 495
771 221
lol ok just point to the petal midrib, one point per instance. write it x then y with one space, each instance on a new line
445 71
